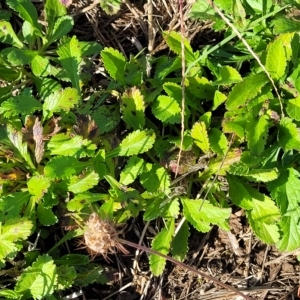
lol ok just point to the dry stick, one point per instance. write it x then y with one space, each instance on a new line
182 85
183 265
250 50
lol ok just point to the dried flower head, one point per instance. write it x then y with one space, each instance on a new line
101 236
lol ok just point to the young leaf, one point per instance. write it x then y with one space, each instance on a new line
209 214
46 215
166 109
257 130
60 100
133 168
133 107
83 183
137 142
40 66
219 98
199 134
288 135
39 280
173 39
228 75
276 59
161 243
53 10
218 141
8 36
114 62
63 167
26 11
293 108
246 90
37 186
70 58
180 242
21 104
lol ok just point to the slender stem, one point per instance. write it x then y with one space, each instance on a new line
183 265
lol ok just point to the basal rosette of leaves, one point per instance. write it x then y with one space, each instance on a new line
61 155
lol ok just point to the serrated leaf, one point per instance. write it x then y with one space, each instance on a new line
288 135
154 209
8 74
46 215
19 57
8 294
218 141
133 168
70 58
60 100
62 144
200 136
276 59
83 183
166 109
180 242
90 48
21 104
26 11
40 66
246 90
173 39
8 36
63 167
261 175
293 108
46 86
283 24
62 27
219 98
37 186
39 280
201 88
107 117
90 274
171 209
257 130
209 214
65 276
137 142
228 75
263 220
161 243
155 178
53 10
114 62
133 108
110 7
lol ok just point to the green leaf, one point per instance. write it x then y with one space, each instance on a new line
37 186
72 260
276 59
110 7
246 90
263 220
65 276
200 87
40 66
21 104
90 48
133 108
180 242
288 135
46 86
62 27
200 136
8 36
70 58
107 117
173 39
53 10
219 98
39 280
257 130
133 168
46 215
155 178
137 142
293 108
83 183
60 100
228 75
62 144
166 109
63 167
8 74
91 273
26 11
29 34
8 294
218 141
209 214
114 62
161 243
19 57
262 175
284 24
154 208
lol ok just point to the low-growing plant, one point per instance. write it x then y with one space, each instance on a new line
114 153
